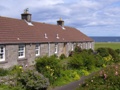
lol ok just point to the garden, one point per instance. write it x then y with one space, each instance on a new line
49 72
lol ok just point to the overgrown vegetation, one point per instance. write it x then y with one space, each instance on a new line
56 71
19 78
105 79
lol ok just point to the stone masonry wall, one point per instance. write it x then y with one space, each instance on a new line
11 52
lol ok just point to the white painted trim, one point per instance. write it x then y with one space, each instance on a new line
3 59
38 49
56 48
21 51
72 46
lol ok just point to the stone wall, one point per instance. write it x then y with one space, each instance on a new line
11 52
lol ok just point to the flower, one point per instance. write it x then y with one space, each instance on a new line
91 80
20 67
116 73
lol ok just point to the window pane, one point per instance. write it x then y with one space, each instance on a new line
2 53
1 56
37 49
21 51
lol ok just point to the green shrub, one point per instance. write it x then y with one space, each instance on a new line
99 61
32 80
118 51
76 62
114 54
77 49
82 60
105 79
49 67
103 52
62 56
17 69
3 72
7 87
66 77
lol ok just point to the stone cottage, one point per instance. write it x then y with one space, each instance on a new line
23 40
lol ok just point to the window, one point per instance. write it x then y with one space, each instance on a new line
37 50
72 46
21 51
90 45
56 48
2 53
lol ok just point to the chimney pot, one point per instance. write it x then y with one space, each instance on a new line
26 16
60 22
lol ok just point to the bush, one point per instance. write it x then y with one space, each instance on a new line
99 61
66 77
103 52
3 72
105 79
49 67
62 56
32 80
76 62
114 54
118 51
82 60
7 87
77 49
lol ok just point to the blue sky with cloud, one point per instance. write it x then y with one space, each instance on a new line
92 17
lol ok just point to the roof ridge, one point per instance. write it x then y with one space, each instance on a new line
10 18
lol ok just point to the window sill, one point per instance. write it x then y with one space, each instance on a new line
2 62
22 59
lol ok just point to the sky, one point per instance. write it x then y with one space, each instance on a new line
92 17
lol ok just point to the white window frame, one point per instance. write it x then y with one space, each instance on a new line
72 46
37 49
21 51
2 52
56 48
90 45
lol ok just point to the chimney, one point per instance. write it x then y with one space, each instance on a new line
26 15
60 22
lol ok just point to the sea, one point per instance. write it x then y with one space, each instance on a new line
105 38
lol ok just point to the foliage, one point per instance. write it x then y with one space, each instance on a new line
49 67
8 80
82 60
60 72
7 87
77 49
103 52
17 69
76 62
99 61
105 79
118 51
114 54
62 56
3 72
32 80
23 79
66 77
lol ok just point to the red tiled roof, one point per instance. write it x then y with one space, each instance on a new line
18 31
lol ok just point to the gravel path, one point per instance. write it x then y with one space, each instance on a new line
73 85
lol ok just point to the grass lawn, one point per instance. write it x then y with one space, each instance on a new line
107 44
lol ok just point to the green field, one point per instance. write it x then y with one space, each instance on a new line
107 45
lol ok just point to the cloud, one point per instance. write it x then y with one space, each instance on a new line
88 15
